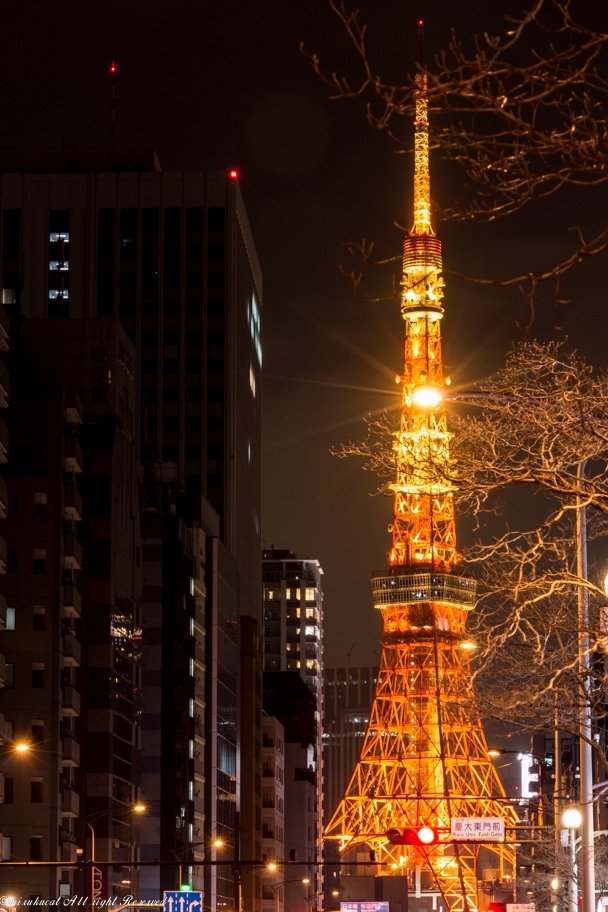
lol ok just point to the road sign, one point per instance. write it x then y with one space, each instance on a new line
483 829
180 901
521 907
364 907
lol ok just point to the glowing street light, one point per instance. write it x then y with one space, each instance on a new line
572 818
22 747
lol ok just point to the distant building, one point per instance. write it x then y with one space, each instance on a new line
288 699
348 695
108 235
293 643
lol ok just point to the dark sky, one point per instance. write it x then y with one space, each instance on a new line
220 84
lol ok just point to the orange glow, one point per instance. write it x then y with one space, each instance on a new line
112 67
22 747
234 175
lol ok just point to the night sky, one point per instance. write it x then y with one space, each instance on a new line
215 84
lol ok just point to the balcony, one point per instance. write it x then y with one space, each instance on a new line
199 692
72 505
71 651
71 752
70 803
3 441
71 701
199 806
2 670
3 499
4 385
5 328
2 612
72 552
73 408
74 459
199 769
72 602
2 554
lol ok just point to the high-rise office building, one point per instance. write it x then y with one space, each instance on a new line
169 254
293 645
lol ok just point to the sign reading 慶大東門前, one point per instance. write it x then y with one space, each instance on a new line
364 907
478 828
521 907
182 901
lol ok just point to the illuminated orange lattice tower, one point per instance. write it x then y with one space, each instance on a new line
424 758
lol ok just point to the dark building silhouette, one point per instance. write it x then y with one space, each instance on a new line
170 256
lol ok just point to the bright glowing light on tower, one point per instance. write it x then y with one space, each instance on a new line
426 396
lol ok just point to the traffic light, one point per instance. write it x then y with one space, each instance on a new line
419 836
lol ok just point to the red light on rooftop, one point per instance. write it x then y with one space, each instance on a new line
421 22
234 174
112 67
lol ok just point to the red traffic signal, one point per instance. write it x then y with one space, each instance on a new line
421 836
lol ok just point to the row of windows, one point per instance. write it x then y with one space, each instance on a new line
308 593
39 561
35 790
38 618
37 678
40 502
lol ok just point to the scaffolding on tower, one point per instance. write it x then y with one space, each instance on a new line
424 758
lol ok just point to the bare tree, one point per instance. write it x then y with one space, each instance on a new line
522 112
532 425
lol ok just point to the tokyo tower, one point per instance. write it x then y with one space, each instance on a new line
424 758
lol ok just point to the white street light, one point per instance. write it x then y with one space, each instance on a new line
572 818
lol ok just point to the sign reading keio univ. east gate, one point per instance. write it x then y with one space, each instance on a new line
364 907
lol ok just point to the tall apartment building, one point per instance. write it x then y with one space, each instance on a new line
73 586
293 645
170 255
348 694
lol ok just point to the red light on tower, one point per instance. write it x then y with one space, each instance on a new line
234 174
112 67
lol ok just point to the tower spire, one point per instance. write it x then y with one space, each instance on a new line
424 758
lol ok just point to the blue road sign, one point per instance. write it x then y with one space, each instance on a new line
177 901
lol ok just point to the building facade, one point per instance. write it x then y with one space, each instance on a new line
171 257
74 588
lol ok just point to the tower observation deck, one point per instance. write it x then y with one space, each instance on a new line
424 758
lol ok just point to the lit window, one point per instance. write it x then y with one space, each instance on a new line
191 708
55 236
310 612
311 631
288 593
252 379
59 266
10 618
191 749
191 668
55 293
311 595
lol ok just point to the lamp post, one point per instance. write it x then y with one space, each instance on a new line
276 887
136 808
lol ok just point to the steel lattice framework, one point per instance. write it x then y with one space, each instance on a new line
424 758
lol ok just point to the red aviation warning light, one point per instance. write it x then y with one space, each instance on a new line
112 67
234 174
419 836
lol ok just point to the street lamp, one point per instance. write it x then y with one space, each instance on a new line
276 887
572 819
99 815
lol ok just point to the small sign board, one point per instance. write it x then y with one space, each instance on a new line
521 907
364 907
484 829
182 901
